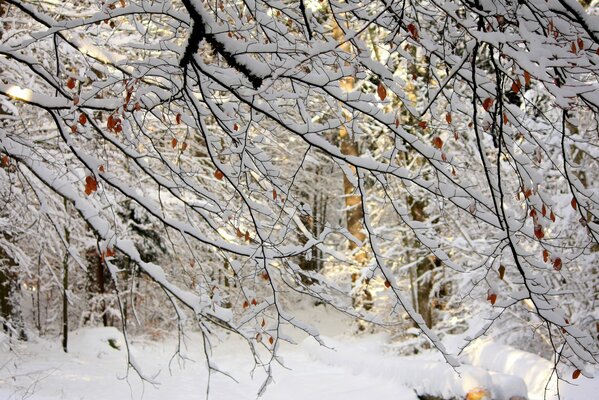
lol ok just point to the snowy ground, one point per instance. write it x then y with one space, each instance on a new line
356 369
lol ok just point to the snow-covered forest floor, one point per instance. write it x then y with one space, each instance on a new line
360 367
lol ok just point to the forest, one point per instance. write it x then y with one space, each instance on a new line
420 175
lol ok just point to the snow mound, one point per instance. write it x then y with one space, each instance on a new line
98 342
425 377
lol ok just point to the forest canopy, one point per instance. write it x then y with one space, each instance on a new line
207 164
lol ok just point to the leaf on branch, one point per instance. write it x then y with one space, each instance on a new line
184 146
413 31
492 297
488 103
218 174
516 86
381 91
505 120
178 119
247 236
174 142
574 203
235 127
254 302
91 185
526 78
101 169
545 255
274 195
246 304
5 161
544 210
576 374
271 340
501 271
539 232
552 216
82 119
437 142
258 337
71 83
239 233
423 124
557 264
448 118
387 283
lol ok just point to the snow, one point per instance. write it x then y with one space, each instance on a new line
347 368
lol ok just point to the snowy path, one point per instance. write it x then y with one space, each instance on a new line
359 369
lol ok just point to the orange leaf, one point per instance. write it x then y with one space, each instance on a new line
381 91
576 374
246 304
516 86
274 194
456 136
448 118
423 124
488 103
526 78
239 233
218 174
101 168
254 302
247 236
573 48
505 120
264 276
573 203
387 284
492 297
137 106
533 213
437 142
545 255
110 252
76 99
263 323
123 3
184 146
539 232
174 142
74 128
552 216
91 185
396 122
71 83
83 119
527 193
271 340
580 43
235 127
557 264
178 119
544 210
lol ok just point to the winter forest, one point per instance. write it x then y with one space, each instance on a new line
299 199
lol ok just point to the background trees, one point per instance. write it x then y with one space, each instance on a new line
211 151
